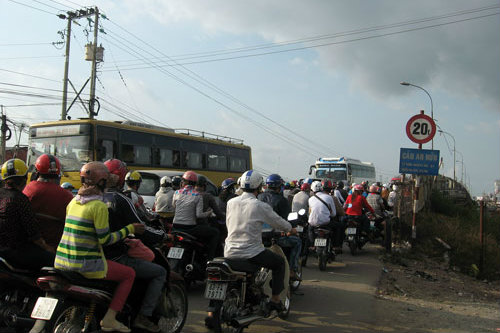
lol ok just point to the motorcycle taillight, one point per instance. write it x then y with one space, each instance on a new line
49 283
321 233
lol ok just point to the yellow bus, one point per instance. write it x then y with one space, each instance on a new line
141 146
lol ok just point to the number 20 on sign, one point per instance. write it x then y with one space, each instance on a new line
421 128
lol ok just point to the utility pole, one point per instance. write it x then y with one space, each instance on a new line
70 16
94 61
4 135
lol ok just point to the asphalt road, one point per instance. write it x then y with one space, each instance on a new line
340 299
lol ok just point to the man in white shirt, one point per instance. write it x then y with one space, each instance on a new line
321 208
244 219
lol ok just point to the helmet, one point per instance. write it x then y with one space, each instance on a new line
251 180
358 187
67 186
93 172
133 176
165 181
176 181
316 186
48 165
308 180
14 168
293 184
374 189
305 187
227 183
327 185
190 176
274 180
117 167
287 185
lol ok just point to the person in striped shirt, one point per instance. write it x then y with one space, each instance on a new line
86 231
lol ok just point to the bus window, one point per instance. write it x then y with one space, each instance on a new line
127 154
142 155
105 150
237 164
165 157
194 160
217 162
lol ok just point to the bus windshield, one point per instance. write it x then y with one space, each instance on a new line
335 173
72 151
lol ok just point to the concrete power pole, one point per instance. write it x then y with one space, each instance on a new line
94 61
66 69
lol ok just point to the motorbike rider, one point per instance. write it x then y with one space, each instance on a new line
392 200
280 205
375 200
228 191
301 199
21 242
163 201
133 180
48 199
341 189
83 251
188 205
122 213
337 224
245 217
321 209
354 205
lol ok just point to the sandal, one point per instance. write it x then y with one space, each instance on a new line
117 327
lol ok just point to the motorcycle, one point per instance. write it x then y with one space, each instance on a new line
188 256
18 294
323 246
354 237
74 303
299 221
241 291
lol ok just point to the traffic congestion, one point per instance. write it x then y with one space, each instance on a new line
102 257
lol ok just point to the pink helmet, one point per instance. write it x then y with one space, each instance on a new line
190 176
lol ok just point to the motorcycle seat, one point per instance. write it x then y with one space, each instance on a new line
77 278
242 265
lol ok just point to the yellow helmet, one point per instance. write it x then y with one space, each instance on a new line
133 176
14 168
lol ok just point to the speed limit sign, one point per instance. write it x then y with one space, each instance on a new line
421 128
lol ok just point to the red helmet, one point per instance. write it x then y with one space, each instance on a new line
327 184
190 176
93 172
374 189
117 167
305 187
48 165
358 187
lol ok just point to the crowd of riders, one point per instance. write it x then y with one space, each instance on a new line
90 230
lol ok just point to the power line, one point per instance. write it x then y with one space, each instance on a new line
24 74
32 7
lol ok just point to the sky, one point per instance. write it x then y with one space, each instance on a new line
296 80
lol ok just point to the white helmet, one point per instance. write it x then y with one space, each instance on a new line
250 180
316 186
165 180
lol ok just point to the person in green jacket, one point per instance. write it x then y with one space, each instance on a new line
86 231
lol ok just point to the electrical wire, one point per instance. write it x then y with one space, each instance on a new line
32 7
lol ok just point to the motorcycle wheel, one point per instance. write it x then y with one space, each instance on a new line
353 247
225 312
72 320
286 303
322 259
173 308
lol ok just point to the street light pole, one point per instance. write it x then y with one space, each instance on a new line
454 158
462 160
432 104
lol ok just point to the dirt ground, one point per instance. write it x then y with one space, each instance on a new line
426 296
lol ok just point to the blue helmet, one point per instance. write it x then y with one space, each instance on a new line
227 183
274 180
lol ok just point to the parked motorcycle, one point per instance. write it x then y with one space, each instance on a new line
323 246
188 257
18 294
241 290
76 304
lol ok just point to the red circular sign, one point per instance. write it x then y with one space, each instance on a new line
421 128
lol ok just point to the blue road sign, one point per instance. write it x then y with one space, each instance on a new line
419 161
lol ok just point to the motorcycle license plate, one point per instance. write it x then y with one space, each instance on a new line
300 228
216 290
320 242
175 253
44 308
351 231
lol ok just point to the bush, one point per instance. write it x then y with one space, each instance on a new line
459 227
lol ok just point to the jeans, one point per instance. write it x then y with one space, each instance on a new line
154 273
295 245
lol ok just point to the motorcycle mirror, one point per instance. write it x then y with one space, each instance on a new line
293 216
302 212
